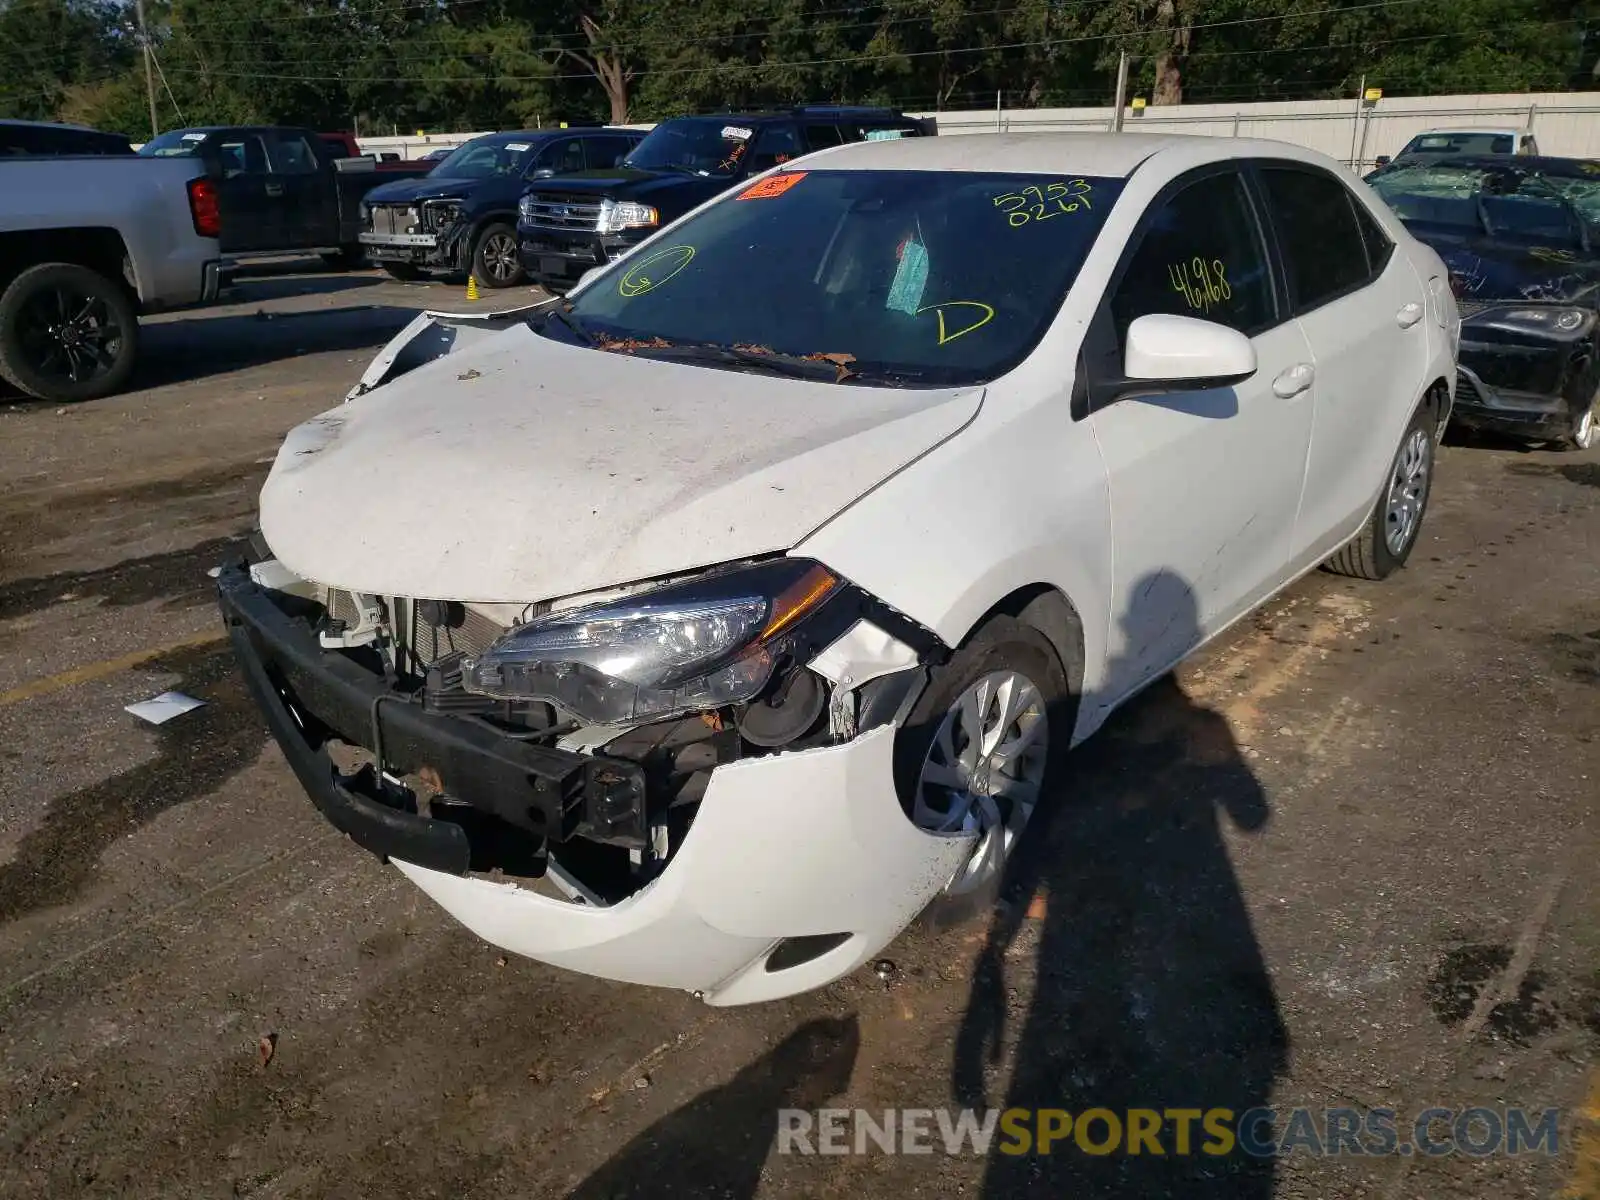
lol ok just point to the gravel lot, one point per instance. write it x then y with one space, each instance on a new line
1348 857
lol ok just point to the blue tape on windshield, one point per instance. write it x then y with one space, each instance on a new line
910 281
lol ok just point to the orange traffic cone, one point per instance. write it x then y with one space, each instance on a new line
472 287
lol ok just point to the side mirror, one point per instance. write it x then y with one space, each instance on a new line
617 161
1383 160
1182 350
545 173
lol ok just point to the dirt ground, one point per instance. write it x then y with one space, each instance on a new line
1348 857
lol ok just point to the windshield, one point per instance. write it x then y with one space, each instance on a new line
172 144
906 278
1460 143
713 147
485 158
1500 202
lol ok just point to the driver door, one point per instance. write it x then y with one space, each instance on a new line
1205 484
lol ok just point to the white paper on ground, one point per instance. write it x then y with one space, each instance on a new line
162 708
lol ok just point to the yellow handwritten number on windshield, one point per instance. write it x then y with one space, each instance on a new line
976 315
1040 204
645 275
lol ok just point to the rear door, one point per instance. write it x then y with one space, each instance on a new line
302 191
250 216
1364 311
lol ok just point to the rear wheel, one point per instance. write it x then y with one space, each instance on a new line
978 751
67 333
495 260
405 272
1386 540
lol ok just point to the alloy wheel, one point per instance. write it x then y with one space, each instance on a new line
68 334
1408 491
500 256
983 772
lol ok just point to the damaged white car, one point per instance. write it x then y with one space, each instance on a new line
703 628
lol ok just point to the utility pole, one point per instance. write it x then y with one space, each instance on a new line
1122 92
1355 126
149 77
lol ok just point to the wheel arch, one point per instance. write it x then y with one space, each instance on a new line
100 249
1046 608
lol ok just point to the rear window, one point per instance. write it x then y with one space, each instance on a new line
1461 143
1322 244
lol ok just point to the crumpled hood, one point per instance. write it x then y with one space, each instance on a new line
524 469
429 187
1483 270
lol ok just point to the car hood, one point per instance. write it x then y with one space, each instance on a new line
624 183
429 187
524 469
1484 270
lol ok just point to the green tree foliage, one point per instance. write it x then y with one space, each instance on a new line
481 64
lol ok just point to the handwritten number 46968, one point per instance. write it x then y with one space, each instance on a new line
1040 204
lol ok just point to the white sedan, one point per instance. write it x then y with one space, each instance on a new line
703 628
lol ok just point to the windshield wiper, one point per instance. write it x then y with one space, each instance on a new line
560 313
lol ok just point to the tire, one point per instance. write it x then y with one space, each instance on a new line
1585 431
1002 647
67 333
491 265
346 258
1378 551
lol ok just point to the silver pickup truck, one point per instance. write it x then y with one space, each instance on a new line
87 244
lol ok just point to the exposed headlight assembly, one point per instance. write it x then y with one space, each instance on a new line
617 215
440 214
682 648
1563 320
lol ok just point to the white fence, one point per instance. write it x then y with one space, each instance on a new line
1564 123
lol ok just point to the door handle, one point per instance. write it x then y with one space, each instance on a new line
1293 381
1409 315
274 189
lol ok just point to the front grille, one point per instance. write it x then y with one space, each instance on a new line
393 218
555 210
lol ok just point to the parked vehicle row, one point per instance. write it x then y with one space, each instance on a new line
704 626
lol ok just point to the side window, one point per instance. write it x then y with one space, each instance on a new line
563 155
292 156
821 136
1379 247
1323 248
776 143
605 151
243 154
1200 255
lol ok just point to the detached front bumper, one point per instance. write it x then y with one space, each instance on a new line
1525 414
797 868
418 249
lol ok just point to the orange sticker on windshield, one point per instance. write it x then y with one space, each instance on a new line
772 185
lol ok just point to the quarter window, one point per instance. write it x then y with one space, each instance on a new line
1200 255
1323 248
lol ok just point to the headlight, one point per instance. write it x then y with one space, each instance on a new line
1566 320
525 208
615 216
685 647
439 214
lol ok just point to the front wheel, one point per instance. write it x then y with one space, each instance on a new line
495 261
1582 434
1386 540
978 751
67 333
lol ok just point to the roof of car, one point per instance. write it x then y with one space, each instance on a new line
1544 164
1107 155
14 124
1497 130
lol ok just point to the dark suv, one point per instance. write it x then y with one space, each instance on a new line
569 226
463 214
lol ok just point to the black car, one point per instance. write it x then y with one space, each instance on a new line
42 138
1520 238
463 214
585 220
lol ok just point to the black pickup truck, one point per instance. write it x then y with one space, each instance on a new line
283 188
577 222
